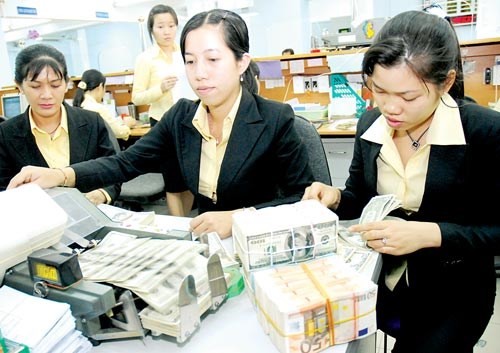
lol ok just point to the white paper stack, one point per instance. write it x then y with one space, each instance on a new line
284 234
314 304
30 220
41 324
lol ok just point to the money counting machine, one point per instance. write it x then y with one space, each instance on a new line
102 311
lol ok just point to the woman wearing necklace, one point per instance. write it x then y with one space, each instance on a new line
439 155
50 133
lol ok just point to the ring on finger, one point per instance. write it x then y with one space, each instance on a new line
384 241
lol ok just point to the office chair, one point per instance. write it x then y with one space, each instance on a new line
317 156
141 190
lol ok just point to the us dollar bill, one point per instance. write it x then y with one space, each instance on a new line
378 208
284 234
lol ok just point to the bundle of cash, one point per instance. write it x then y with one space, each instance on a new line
310 306
169 323
284 234
153 269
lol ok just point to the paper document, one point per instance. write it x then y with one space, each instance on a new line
41 324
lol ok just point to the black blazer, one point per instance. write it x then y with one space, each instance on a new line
462 181
88 139
264 153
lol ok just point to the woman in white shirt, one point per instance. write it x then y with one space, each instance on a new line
89 95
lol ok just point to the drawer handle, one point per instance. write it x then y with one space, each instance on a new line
337 152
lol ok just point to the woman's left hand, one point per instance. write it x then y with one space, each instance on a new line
397 237
220 222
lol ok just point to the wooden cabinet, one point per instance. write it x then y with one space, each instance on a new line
118 84
478 55
314 64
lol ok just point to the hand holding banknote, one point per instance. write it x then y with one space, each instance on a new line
376 210
399 238
392 236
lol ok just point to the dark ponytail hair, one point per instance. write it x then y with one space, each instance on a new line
426 43
90 79
235 33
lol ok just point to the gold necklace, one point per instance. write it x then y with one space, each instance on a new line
415 144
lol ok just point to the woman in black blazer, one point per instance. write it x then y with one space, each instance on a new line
439 154
232 149
51 133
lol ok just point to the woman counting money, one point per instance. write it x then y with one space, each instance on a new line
438 153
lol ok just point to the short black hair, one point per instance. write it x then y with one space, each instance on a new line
156 10
31 61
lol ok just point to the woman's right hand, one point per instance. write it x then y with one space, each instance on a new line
44 177
328 195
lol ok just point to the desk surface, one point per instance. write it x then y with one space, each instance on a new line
324 130
139 131
232 328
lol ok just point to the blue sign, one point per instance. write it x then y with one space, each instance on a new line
101 14
26 10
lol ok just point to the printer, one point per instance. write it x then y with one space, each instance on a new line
345 35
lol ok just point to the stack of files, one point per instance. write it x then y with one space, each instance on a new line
284 234
313 304
42 325
31 220
153 269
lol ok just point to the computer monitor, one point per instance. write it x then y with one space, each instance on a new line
13 104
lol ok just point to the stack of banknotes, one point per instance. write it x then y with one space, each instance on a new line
153 269
377 209
284 234
310 306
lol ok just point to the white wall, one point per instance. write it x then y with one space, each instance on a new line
279 24
488 25
6 71
273 26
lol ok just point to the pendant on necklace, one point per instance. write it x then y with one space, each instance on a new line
415 144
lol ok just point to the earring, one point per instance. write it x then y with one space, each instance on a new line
241 78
